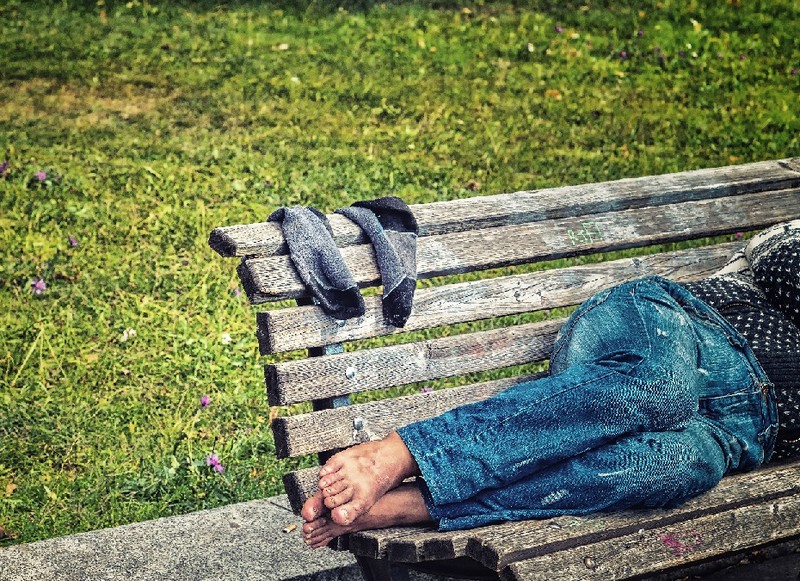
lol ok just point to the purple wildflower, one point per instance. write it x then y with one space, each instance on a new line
38 286
738 235
623 54
426 390
742 57
640 33
41 175
3 168
73 242
204 401
559 29
215 464
794 71
236 292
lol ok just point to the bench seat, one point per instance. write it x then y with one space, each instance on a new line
472 335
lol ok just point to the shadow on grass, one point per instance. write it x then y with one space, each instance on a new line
322 7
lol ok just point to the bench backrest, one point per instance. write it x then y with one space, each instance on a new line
463 329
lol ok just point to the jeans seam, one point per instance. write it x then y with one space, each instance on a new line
636 303
567 328
573 321
571 387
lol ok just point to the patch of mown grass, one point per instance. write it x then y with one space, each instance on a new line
155 122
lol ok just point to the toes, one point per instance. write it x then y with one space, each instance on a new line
335 488
343 497
340 516
344 515
320 532
333 465
331 479
313 507
320 536
314 525
320 542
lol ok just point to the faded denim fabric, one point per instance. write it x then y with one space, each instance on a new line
652 398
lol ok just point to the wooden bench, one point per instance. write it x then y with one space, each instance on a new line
507 319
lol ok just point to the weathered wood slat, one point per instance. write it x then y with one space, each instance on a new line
517 541
296 328
751 560
353 372
497 546
425 545
530 206
266 238
380 545
334 428
275 278
672 546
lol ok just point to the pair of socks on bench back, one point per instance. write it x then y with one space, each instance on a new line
391 227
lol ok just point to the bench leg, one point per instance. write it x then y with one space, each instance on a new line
381 570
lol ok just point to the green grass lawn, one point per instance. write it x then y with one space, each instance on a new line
137 127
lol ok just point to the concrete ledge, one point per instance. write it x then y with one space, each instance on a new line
244 542
237 542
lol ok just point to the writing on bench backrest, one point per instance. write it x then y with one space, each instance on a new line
589 232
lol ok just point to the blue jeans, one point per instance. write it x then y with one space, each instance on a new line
652 398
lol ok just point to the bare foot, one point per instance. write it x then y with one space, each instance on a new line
353 480
400 506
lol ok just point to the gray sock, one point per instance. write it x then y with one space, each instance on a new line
391 227
319 262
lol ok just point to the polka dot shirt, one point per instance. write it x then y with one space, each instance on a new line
762 302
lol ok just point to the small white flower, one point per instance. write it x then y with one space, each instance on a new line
226 338
127 334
